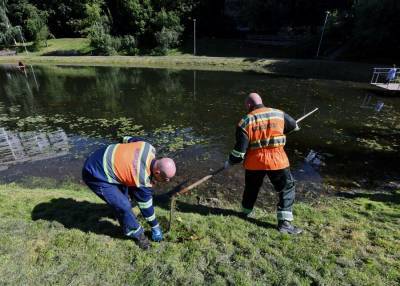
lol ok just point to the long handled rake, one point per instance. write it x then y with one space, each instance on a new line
180 190
184 190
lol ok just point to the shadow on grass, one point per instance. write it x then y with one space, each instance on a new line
82 215
92 217
239 47
66 53
391 198
163 201
314 68
206 210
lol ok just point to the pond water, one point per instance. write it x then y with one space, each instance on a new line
53 118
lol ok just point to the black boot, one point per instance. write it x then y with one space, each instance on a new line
142 241
285 226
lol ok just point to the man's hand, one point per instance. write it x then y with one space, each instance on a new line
297 128
156 234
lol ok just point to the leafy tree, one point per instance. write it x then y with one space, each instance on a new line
377 25
166 39
99 33
130 16
93 15
101 40
129 45
32 20
168 27
212 18
122 26
36 26
64 16
7 31
153 23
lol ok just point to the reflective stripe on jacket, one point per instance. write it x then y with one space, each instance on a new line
265 131
129 164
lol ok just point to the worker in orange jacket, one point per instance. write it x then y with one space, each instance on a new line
260 141
125 172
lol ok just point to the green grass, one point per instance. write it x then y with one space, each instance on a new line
64 46
66 236
58 52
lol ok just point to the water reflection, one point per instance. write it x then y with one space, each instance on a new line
315 159
310 168
19 147
178 110
194 84
375 105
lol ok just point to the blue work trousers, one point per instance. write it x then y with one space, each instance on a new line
117 197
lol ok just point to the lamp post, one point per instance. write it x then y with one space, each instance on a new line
194 37
323 29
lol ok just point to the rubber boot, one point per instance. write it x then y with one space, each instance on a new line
285 226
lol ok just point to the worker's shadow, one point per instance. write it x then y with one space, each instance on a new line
185 207
82 215
99 218
388 197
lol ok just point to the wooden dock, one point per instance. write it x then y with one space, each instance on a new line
388 86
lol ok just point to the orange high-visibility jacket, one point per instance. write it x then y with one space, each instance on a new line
129 164
264 130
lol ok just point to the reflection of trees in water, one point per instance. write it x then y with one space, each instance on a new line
159 96
53 88
144 94
140 92
16 90
149 95
107 89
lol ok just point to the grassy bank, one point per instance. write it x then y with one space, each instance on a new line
64 51
65 46
66 236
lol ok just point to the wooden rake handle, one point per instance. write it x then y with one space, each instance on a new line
199 182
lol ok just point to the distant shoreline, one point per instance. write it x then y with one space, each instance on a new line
303 68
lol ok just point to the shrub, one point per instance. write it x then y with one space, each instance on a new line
41 37
93 14
166 39
101 41
129 45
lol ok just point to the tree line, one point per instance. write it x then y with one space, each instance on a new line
155 26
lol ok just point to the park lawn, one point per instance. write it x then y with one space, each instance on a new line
65 46
76 51
67 236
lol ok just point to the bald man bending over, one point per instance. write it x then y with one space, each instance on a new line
260 138
122 172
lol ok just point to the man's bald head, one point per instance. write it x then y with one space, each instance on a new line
164 169
252 100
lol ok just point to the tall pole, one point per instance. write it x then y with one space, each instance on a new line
194 37
323 29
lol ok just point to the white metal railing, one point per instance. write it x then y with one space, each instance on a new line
379 76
